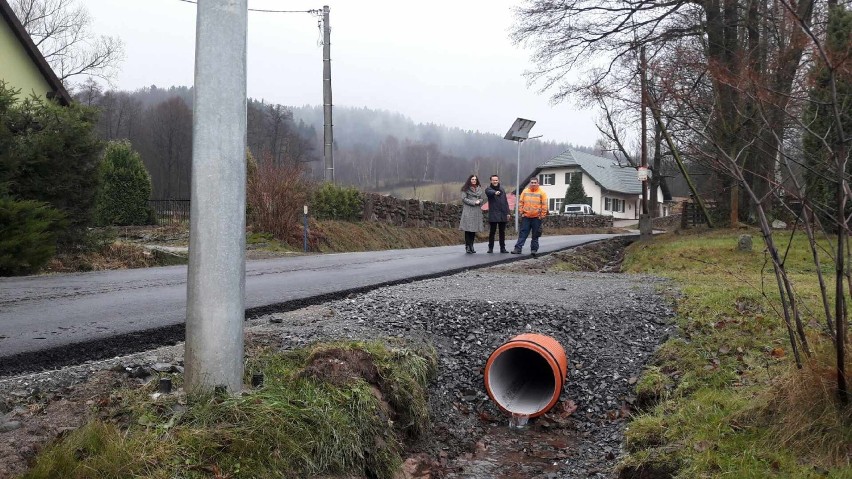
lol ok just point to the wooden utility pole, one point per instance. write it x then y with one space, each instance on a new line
328 134
644 157
645 227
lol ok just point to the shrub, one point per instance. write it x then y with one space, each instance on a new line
27 235
125 187
332 202
275 196
49 153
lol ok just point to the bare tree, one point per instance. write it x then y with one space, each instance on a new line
732 41
168 149
731 80
61 29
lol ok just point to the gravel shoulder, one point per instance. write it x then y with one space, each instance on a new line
609 325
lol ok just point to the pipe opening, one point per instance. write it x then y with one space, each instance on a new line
521 381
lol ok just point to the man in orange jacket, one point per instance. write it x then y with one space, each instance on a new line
532 208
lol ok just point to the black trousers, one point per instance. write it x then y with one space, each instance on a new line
469 238
494 227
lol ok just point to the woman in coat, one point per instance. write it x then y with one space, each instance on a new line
473 194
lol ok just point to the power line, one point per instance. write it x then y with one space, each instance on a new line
269 11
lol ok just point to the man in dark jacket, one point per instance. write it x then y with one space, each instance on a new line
498 213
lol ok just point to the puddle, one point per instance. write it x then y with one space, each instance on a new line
517 452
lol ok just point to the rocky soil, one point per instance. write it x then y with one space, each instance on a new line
609 325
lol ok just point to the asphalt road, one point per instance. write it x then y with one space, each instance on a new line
51 312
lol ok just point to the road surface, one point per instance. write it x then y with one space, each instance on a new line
42 316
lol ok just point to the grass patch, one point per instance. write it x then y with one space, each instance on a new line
335 409
729 400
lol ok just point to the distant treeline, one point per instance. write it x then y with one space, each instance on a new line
373 149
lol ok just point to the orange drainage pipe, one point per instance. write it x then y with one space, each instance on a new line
525 376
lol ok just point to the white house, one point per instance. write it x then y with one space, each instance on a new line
611 189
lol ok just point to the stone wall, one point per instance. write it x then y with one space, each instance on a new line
671 222
414 213
410 213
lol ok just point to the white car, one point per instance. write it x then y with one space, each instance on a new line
578 209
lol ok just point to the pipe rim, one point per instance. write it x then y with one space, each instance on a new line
546 354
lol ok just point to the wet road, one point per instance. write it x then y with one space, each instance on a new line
48 312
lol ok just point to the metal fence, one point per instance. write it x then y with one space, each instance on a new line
170 212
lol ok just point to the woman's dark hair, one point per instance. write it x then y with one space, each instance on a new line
468 185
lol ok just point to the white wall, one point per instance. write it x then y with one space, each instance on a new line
632 202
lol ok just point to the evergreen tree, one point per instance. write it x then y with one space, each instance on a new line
575 194
50 153
27 235
824 142
125 187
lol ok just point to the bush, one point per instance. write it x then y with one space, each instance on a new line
49 153
27 235
332 202
275 196
125 187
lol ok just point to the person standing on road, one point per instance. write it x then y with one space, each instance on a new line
471 217
532 208
498 213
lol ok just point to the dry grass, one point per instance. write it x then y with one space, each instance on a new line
802 410
343 236
111 256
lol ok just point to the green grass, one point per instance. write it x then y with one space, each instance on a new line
306 420
731 402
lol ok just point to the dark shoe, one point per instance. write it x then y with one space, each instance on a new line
504 250
467 249
490 251
516 251
534 254
472 250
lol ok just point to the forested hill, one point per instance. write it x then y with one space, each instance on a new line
373 149
379 148
368 127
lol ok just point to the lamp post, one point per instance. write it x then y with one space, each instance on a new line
519 132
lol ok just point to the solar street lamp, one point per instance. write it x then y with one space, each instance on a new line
519 132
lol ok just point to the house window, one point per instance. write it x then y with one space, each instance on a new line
556 204
568 176
614 204
547 179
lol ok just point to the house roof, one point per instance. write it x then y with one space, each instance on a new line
59 92
604 171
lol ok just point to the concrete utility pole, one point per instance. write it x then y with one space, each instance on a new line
328 134
215 306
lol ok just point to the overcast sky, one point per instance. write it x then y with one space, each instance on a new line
446 62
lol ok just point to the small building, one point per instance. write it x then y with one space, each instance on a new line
22 65
611 189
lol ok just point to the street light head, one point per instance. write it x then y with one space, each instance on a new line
520 130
